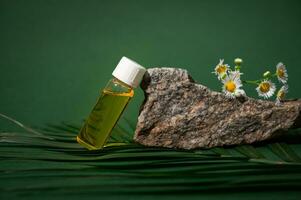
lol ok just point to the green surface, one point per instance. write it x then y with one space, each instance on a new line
55 55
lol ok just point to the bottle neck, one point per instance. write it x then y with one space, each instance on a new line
116 80
118 87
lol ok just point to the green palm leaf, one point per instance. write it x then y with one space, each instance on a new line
48 162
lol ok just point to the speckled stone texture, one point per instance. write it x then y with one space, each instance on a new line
179 113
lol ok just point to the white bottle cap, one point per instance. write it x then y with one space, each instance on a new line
129 72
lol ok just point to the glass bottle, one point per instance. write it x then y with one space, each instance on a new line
110 105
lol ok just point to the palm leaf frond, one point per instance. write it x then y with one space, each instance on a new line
49 162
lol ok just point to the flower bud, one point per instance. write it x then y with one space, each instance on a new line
266 74
224 76
238 61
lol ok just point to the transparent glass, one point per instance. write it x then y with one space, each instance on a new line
105 114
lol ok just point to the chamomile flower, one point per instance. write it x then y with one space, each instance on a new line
221 69
281 73
281 94
232 84
266 89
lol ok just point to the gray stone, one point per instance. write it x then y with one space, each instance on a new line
179 113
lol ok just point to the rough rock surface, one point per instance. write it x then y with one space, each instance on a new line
179 113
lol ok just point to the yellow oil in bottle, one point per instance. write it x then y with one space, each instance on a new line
110 105
102 119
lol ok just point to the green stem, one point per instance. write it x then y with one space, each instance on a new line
256 82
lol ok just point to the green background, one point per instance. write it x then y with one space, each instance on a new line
55 56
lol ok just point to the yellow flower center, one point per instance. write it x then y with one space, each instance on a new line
230 86
221 69
280 72
264 87
281 94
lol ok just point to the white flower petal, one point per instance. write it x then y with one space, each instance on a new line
281 77
234 78
269 93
